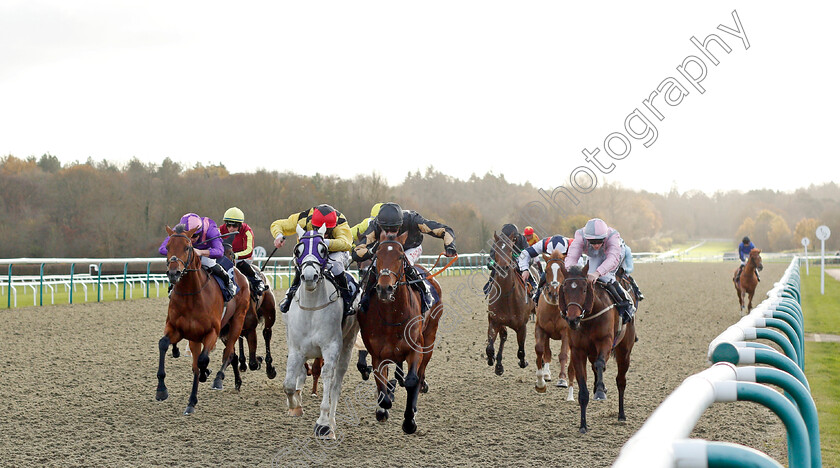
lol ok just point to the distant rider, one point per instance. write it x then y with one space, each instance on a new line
744 248
243 247
546 246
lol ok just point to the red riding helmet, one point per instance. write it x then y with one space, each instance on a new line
324 215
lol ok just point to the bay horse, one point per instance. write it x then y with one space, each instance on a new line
395 331
510 304
745 286
264 310
595 332
552 325
198 313
316 328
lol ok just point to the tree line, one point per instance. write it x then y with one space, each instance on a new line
100 209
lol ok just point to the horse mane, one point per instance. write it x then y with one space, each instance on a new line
576 270
180 228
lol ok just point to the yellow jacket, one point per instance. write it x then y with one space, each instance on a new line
359 229
340 238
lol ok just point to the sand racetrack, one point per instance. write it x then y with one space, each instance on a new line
79 385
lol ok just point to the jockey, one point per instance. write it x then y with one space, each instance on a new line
605 249
744 249
627 266
359 229
243 247
337 237
530 237
392 219
519 244
545 247
207 244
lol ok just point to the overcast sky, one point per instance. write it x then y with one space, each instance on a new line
518 88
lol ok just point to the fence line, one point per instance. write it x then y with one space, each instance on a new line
663 440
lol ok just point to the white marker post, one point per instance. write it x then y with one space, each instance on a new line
823 232
805 242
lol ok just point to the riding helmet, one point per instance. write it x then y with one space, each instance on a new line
192 221
528 231
390 216
234 215
595 229
324 215
746 240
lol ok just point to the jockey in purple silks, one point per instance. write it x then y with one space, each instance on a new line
605 249
207 244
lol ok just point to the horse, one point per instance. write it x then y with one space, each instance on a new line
198 313
261 309
316 328
395 331
510 304
749 279
551 325
595 332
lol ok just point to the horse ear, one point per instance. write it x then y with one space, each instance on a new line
402 237
495 236
300 231
169 230
322 229
586 269
191 232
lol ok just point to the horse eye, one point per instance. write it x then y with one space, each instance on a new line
322 249
298 250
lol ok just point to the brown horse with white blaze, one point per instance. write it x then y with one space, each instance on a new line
197 313
552 325
510 304
748 281
395 331
596 331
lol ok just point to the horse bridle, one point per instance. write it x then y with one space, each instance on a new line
321 266
186 264
399 278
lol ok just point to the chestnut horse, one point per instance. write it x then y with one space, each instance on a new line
510 304
394 330
264 310
749 279
551 325
595 332
198 313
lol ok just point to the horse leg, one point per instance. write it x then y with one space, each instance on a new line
547 359
540 340
254 362
330 358
163 345
600 389
622 359
500 369
412 389
520 339
492 330
563 361
241 363
362 365
228 357
294 367
200 362
380 375
270 371
579 362
750 306
176 353
340 371
572 374
316 369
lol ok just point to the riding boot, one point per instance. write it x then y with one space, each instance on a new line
639 295
487 285
623 304
346 295
220 272
290 294
738 274
539 289
411 274
255 281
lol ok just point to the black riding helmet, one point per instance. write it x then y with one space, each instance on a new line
390 217
746 240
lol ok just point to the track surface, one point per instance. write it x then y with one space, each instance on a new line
79 383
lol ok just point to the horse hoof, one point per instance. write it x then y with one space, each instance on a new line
386 403
562 383
324 432
539 390
243 367
424 387
409 426
254 365
622 418
238 385
524 364
500 370
583 429
190 410
176 353
217 384
296 412
600 396
161 395
490 361
271 372
381 415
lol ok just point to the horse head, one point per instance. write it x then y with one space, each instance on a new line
180 257
502 253
390 265
554 276
755 257
311 256
578 295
